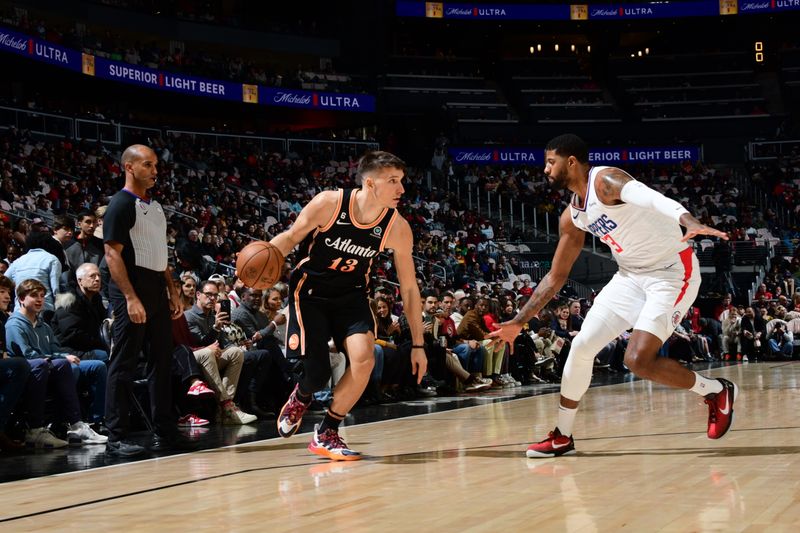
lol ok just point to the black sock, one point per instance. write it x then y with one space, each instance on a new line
305 398
330 421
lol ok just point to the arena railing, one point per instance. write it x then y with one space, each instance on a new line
48 124
110 132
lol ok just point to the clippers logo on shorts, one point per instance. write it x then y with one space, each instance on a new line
676 319
294 341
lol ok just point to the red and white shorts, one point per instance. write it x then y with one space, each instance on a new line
653 301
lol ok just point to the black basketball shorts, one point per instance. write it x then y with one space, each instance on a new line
314 320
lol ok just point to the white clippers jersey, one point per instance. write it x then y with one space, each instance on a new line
640 239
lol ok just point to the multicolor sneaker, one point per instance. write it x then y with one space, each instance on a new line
291 414
720 409
199 389
329 444
192 421
554 445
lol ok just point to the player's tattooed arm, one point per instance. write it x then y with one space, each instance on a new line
609 185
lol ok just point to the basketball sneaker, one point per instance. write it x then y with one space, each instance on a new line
329 444
554 445
291 414
720 409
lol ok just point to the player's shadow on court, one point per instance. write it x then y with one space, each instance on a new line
744 451
300 445
438 455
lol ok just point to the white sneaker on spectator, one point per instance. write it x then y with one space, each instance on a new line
233 416
42 438
506 380
81 432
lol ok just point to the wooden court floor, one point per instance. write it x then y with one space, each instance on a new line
643 464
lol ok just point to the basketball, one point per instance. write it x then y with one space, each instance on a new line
259 265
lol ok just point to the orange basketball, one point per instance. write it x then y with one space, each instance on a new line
259 265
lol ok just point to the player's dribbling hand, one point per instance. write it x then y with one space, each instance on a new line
507 333
693 230
419 363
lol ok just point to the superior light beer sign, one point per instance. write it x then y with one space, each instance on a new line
602 156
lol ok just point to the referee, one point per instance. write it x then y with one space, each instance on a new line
135 238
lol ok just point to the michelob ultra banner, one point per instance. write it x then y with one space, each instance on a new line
21 44
603 156
604 11
316 99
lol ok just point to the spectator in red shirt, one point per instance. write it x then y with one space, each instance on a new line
526 289
763 293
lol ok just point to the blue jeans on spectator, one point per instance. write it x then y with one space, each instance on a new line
377 370
99 355
777 349
57 375
471 358
14 373
91 375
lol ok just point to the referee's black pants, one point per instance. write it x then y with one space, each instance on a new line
154 339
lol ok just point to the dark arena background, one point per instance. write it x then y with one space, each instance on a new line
253 108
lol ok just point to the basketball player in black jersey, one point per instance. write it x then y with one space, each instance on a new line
340 235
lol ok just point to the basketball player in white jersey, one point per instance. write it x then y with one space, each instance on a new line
657 281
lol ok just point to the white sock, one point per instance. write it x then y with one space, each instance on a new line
704 386
566 419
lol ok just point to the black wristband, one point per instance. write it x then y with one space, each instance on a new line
421 346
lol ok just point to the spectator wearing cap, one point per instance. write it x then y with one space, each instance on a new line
39 224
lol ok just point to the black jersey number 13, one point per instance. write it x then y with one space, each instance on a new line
349 265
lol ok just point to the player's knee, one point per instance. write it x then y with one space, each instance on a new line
638 363
362 364
584 350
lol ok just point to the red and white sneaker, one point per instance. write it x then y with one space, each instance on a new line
329 444
199 389
291 414
554 445
192 421
720 409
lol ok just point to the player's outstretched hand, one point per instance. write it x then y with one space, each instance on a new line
507 333
694 229
419 363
